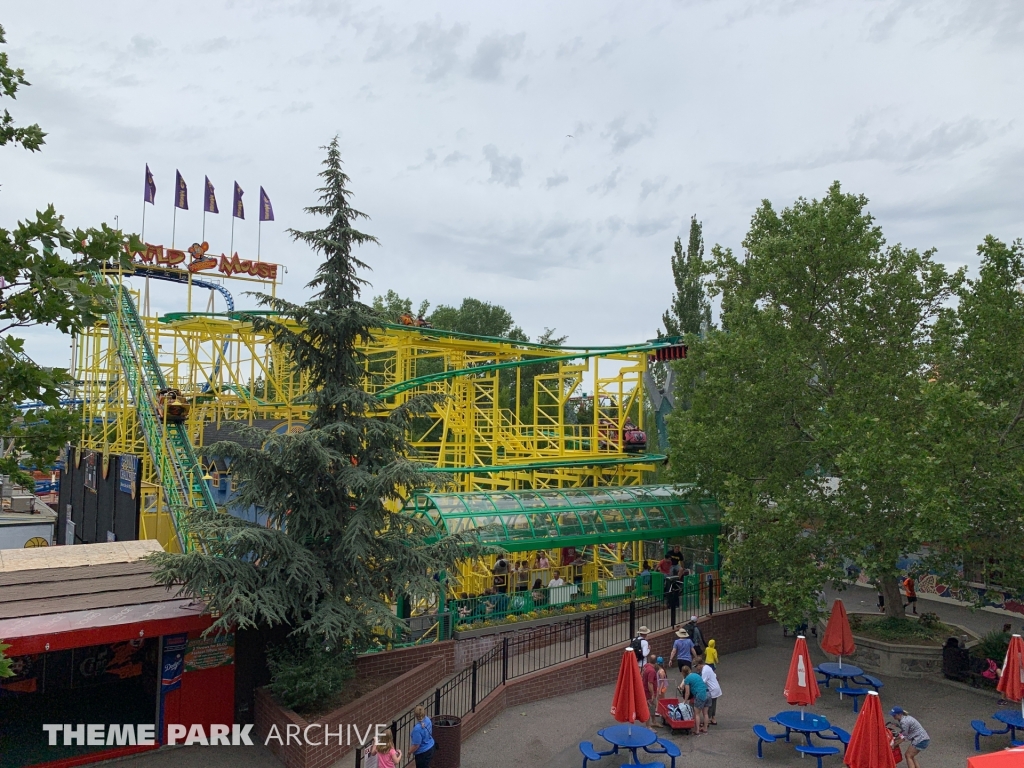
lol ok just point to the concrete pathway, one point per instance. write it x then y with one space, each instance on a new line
858 598
547 732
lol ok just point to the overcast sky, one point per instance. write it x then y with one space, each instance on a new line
543 156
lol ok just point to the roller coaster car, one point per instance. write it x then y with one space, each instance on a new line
634 439
172 406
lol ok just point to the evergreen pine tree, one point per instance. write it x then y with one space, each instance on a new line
333 555
690 311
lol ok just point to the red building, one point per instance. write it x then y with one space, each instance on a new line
94 640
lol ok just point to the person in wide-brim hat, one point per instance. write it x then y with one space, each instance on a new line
643 630
682 633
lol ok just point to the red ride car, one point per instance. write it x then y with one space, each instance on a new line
634 439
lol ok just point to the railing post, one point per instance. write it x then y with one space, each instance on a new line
632 619
437 702
504 660
586 635
674 604
359 756
472 700
711 596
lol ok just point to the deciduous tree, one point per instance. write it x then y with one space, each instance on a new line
806 415
42 263
976 392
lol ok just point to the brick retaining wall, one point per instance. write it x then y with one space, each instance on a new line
400 661
378 706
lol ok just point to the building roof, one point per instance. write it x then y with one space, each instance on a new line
535 519
69 557
64 597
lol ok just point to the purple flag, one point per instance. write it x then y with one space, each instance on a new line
266 209
238 210
150 193
181 193
210 201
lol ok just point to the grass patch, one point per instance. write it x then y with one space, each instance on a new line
903 631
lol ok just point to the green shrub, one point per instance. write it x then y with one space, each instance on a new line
307 677
992 646
929 620
900 629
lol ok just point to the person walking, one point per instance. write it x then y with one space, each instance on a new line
387 755
421 742
649 675
682 650
707 674
640 646
911 590
711 655
695 635
912 731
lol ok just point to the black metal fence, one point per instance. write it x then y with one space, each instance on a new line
531 650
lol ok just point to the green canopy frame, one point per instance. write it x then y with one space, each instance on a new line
522 521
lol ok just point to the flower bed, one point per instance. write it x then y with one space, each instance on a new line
926 630
543 613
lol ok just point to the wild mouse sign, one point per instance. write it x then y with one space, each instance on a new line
200 261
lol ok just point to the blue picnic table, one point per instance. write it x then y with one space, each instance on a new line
802 722
631 737
845 672
1012 718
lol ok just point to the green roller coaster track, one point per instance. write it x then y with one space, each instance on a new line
174 459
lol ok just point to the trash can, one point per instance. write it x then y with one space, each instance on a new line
447 742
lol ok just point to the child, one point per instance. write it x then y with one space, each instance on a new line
711 655
662 677
387 755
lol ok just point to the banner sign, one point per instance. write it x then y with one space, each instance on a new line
173 664
157 255
128 476
210 652
90 470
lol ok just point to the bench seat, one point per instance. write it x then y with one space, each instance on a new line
818 752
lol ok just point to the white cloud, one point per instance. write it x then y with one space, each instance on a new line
505 169
492 54
453 122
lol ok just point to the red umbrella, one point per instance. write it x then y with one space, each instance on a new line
801 684
869 742
838 638
629 702
1007 758
1011 682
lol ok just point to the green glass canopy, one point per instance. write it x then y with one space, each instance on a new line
520 521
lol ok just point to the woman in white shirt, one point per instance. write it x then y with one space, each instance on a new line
709 677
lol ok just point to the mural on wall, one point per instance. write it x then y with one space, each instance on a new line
929 584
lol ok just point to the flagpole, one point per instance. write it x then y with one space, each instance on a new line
174 224
231 250
203 240
143 235
259 236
